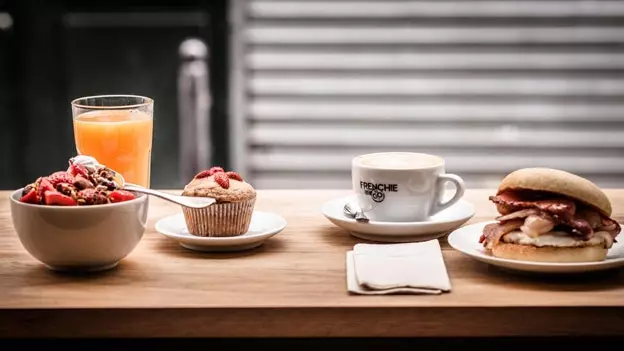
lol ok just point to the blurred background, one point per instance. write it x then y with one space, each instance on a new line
294 89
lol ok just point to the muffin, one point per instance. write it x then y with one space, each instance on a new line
230 215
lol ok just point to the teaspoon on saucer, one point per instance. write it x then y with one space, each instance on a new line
353 211
186 201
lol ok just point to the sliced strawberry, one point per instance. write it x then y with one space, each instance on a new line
53 197
222 179
120 196
209 172
28 188
60 177
214 170
43 185
203 174
30 197
76 169
234 175
86 196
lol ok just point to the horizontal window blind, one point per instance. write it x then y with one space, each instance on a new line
492 86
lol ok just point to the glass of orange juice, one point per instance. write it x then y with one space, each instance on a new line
117 131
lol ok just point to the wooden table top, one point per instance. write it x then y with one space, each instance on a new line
292 285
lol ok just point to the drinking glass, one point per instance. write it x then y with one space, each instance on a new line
117 131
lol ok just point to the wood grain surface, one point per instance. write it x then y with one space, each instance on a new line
293 285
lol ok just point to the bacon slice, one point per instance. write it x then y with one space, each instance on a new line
593 218
578 226
599 222
510 202
494 231
518 214
610 226
560 211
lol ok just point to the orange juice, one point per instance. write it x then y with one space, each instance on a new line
119 139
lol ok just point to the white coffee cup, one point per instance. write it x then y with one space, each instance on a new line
402 186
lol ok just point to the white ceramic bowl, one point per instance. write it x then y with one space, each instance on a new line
80 238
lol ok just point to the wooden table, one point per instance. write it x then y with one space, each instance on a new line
293 285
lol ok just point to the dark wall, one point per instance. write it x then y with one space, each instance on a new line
56 51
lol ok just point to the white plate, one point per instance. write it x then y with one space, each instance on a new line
466 240
263 226
437 226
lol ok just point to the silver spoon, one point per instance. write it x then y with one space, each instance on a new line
186 201
353 211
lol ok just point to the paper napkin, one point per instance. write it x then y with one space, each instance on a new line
410 268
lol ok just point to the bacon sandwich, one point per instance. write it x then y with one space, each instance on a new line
549 215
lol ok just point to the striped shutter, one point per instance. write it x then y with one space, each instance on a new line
492 86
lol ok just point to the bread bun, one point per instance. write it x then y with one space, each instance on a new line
559 182
550 254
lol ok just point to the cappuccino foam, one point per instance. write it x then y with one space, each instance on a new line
399 160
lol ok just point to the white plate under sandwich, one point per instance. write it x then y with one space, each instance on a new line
466 241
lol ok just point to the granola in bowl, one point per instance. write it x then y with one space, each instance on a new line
79 185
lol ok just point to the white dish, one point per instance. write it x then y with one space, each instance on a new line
80 238
466 240
437 226
263 226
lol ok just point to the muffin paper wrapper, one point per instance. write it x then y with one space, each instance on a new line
221 219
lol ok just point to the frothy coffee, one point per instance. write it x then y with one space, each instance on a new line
398 160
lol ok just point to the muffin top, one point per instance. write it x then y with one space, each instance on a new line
221 185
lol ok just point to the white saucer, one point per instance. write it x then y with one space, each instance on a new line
466 240
437 226
263 226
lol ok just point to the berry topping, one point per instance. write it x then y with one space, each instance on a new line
53 197
76 169
30 197
203 174
222 179
214 170
28 188
60 177
120 195
86 196
43 185
79 185
234 175
209 172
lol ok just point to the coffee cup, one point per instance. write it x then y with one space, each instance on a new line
402 186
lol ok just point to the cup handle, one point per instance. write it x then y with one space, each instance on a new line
460 188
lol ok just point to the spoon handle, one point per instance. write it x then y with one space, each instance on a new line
193 202
361 217
354 211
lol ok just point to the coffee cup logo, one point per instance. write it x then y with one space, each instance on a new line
377 195
377 192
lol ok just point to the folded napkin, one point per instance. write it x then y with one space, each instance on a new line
410 268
